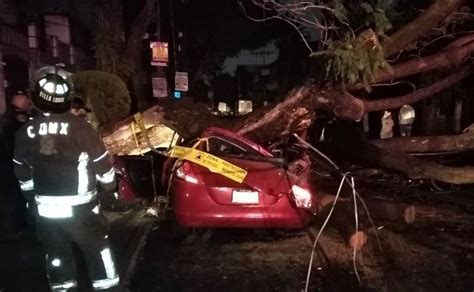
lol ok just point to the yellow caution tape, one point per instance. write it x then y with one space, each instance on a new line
141 125
211 162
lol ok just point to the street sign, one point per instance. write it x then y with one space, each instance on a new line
159 53
159 87
181 81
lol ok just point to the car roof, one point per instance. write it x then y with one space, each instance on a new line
232 135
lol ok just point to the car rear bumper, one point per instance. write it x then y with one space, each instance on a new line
199 210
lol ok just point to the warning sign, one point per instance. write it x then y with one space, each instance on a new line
211 162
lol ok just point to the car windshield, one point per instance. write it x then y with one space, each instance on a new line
222 147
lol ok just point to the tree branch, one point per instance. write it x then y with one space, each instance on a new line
419 27
461 142
293 101
455 54
420 94
417 168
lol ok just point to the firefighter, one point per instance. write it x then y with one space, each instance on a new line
61 158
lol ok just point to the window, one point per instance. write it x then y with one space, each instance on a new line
221 147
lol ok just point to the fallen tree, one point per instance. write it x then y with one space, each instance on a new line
297 111
446 143
417 168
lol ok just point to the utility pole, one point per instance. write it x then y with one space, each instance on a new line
173 68
158 73
158 20
173 35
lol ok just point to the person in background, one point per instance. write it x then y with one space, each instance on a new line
18 112
406 118
22 105
387 126
79 108
15 213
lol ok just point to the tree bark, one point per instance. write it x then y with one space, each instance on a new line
420 94
422 25
120 56
417 168
133 45
108 35
187 119
461 142
294 114
454 55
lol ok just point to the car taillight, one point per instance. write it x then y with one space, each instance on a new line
184 172
303 197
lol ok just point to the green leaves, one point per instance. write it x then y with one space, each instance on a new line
367 7
349 61
352 54
375 14
340 11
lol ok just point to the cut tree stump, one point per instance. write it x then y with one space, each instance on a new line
343 218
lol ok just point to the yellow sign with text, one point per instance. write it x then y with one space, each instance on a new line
211 162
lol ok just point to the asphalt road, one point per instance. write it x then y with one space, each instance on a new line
436 253
22 257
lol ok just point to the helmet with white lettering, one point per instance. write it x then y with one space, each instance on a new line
52 88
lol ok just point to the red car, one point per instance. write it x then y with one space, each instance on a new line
274 194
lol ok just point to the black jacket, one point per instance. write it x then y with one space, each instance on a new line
61 155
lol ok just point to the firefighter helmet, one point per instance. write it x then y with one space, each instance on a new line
51 90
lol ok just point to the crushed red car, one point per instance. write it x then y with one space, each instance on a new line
274 194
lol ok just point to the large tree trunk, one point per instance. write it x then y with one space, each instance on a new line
133 46
107 37
417 168
461 142
422 25
417 95
454 55
114 54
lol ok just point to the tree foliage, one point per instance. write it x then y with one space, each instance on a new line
349 61
334 26
350 58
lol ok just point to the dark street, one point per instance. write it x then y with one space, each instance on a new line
433 254
24 254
